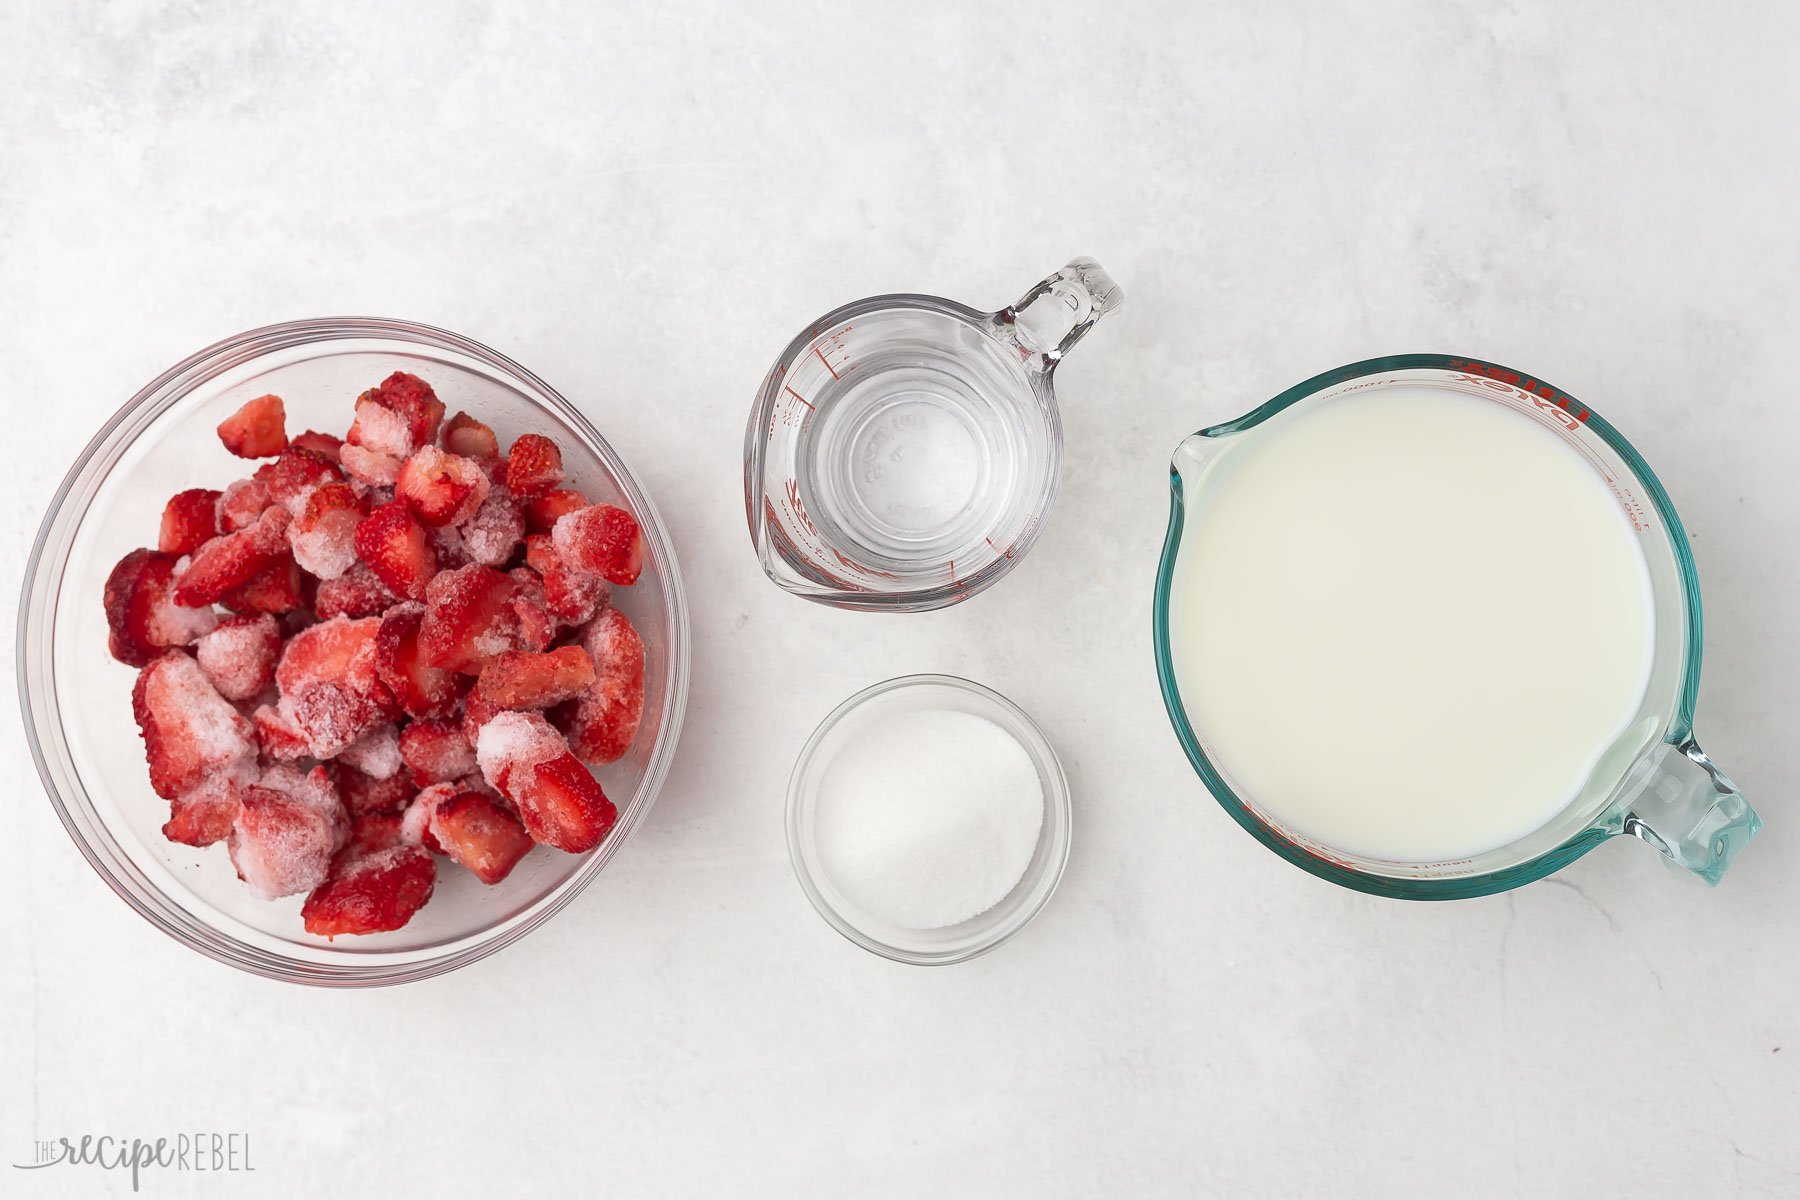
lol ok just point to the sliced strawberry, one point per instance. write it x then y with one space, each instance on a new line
376 753
323 536
601 540
277 737
413 399
464 435
542 513
468 618
603 721
232 559
534 466
518 679
398 417
442 489
371 893
142 616
421 689
277 588
437 751
358 592
415 822
537 625
293 477
478 833
493 533
189 730
329 684
510 743
189 521
397 549
370 832
477 712
239 656
241 503
204 814
572 596
369 467
319 443
365 795
562 805
257 430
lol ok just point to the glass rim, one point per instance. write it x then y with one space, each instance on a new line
1680 724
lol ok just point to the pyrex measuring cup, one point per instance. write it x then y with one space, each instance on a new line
1654 782
904 449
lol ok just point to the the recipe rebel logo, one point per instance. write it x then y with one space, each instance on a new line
193 1152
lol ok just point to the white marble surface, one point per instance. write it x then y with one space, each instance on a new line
642 204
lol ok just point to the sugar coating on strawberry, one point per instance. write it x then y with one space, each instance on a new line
398 549
415 822
330 686
496 528
447 540
519 679
369 467
376 753
280 844
239 656
364 794
542 513
371 893
293 477
278 588
240 504
474 831
190 519
205 813
323 535
437 751
603 721
379 429
601 540
189 730
534 466
232 559
442 489
464 435
324 444
277 737
142 616
511 743
358 592
562 805
468 618
257 430
572 596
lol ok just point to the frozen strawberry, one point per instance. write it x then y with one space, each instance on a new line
477 712
278 588
239 656
323 444
442 489
294 476
280 844
277 737
542 513
241 503
478 833
190 519
364 794
493 533
376 753
189 730
257 430
602 722
468 618
370 832
397 548
204 813
398 417
316 787
518 679
464 435
601 540
511 743
355 593
437 751
379 429
324 653
415 822
371 893
534 466
422 690
572 596
537 625
323 536
562 805
232 559
448 542
369 467
332 717
142 616
330 685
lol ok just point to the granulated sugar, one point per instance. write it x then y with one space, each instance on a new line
928 818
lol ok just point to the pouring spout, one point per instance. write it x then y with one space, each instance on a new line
1691 811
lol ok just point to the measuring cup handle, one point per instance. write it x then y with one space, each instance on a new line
1053 316
1690 811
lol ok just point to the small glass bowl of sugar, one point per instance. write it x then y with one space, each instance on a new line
928 819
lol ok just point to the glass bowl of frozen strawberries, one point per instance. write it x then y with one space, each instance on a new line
350 651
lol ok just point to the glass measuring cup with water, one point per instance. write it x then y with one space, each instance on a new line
904 449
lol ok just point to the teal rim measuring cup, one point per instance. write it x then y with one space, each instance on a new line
1654 782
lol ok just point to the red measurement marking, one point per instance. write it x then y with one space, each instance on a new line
828 366
796 395
1006 553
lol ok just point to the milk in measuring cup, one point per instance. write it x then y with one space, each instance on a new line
1408 622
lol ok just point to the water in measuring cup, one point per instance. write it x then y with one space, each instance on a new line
915 457
1407 622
